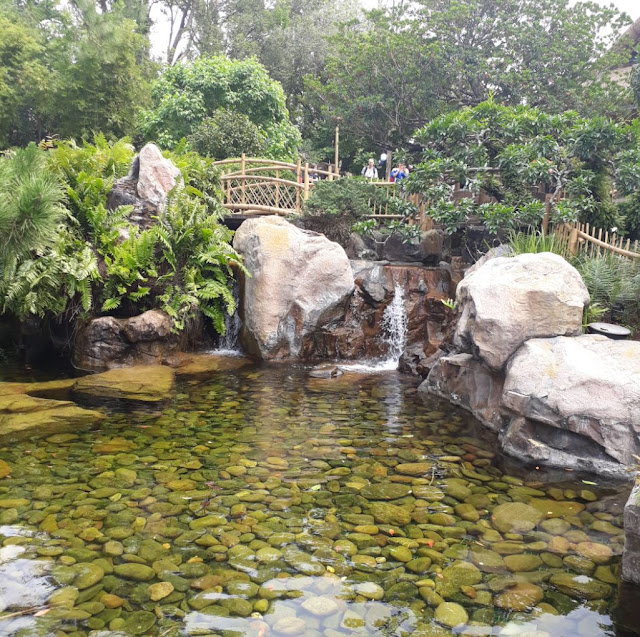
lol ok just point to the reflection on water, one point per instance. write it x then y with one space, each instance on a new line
264 502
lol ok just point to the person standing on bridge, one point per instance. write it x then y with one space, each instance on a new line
370 171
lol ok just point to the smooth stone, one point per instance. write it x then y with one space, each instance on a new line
488 561
5 469
136 572
370 590
290 626
320 606
520 597
385 491
580 586
515 517
400 553
414 468
139 623
451 614
384 513
88 574
556 509
597 553
522 562
160 590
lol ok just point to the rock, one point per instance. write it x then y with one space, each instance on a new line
414 468
88 574
631 553
160 591
515 517
107 342
369 590
157 176
574 403
520 597
427 249
451 614
508 301
281 309
23 417
457 575
139 623
5 469
389 514
146 187
523 562
290 626
146 383
137 572
320 606
466 382
580 586
385 491
400 553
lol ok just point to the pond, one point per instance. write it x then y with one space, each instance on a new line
261 502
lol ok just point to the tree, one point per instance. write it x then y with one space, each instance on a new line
389 74
24 78
188 93
582 160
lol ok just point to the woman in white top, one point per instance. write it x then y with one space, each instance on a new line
370 171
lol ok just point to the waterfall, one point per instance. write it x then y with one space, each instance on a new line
229 344
394 326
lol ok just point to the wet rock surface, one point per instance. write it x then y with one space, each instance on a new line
299 281
107 342
507 301
260 501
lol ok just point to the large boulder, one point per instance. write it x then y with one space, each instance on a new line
510 300
574 402
107 342
631 555
468 383
299 281
146 187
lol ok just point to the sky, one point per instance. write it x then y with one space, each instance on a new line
632 7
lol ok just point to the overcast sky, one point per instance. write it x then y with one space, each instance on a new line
632 7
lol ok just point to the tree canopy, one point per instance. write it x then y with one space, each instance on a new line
189 92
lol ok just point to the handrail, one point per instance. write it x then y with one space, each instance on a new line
255 160
265 180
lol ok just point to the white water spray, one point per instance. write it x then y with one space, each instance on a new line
229 344
395 324
394 328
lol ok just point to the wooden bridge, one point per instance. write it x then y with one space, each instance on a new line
253 186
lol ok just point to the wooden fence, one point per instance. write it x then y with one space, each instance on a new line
580 238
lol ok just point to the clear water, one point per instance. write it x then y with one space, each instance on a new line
252 503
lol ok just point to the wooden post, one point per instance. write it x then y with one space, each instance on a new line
337 171
573 242
337 147
298 180
243 165
389 159
277 188
330 173
547 214
306 181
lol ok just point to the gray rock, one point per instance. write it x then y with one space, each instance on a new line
510 300
468 383
300 281
631 554
107 342
575 401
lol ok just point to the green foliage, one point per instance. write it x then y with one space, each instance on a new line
535 242
30 204
338 208
389 73
86 259
512 152
226 134
189 93
67 71
180 265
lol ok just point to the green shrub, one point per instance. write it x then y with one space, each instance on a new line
227 134
334 207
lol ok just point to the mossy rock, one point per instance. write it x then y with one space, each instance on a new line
146 383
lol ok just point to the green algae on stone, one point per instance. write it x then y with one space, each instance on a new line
146 383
